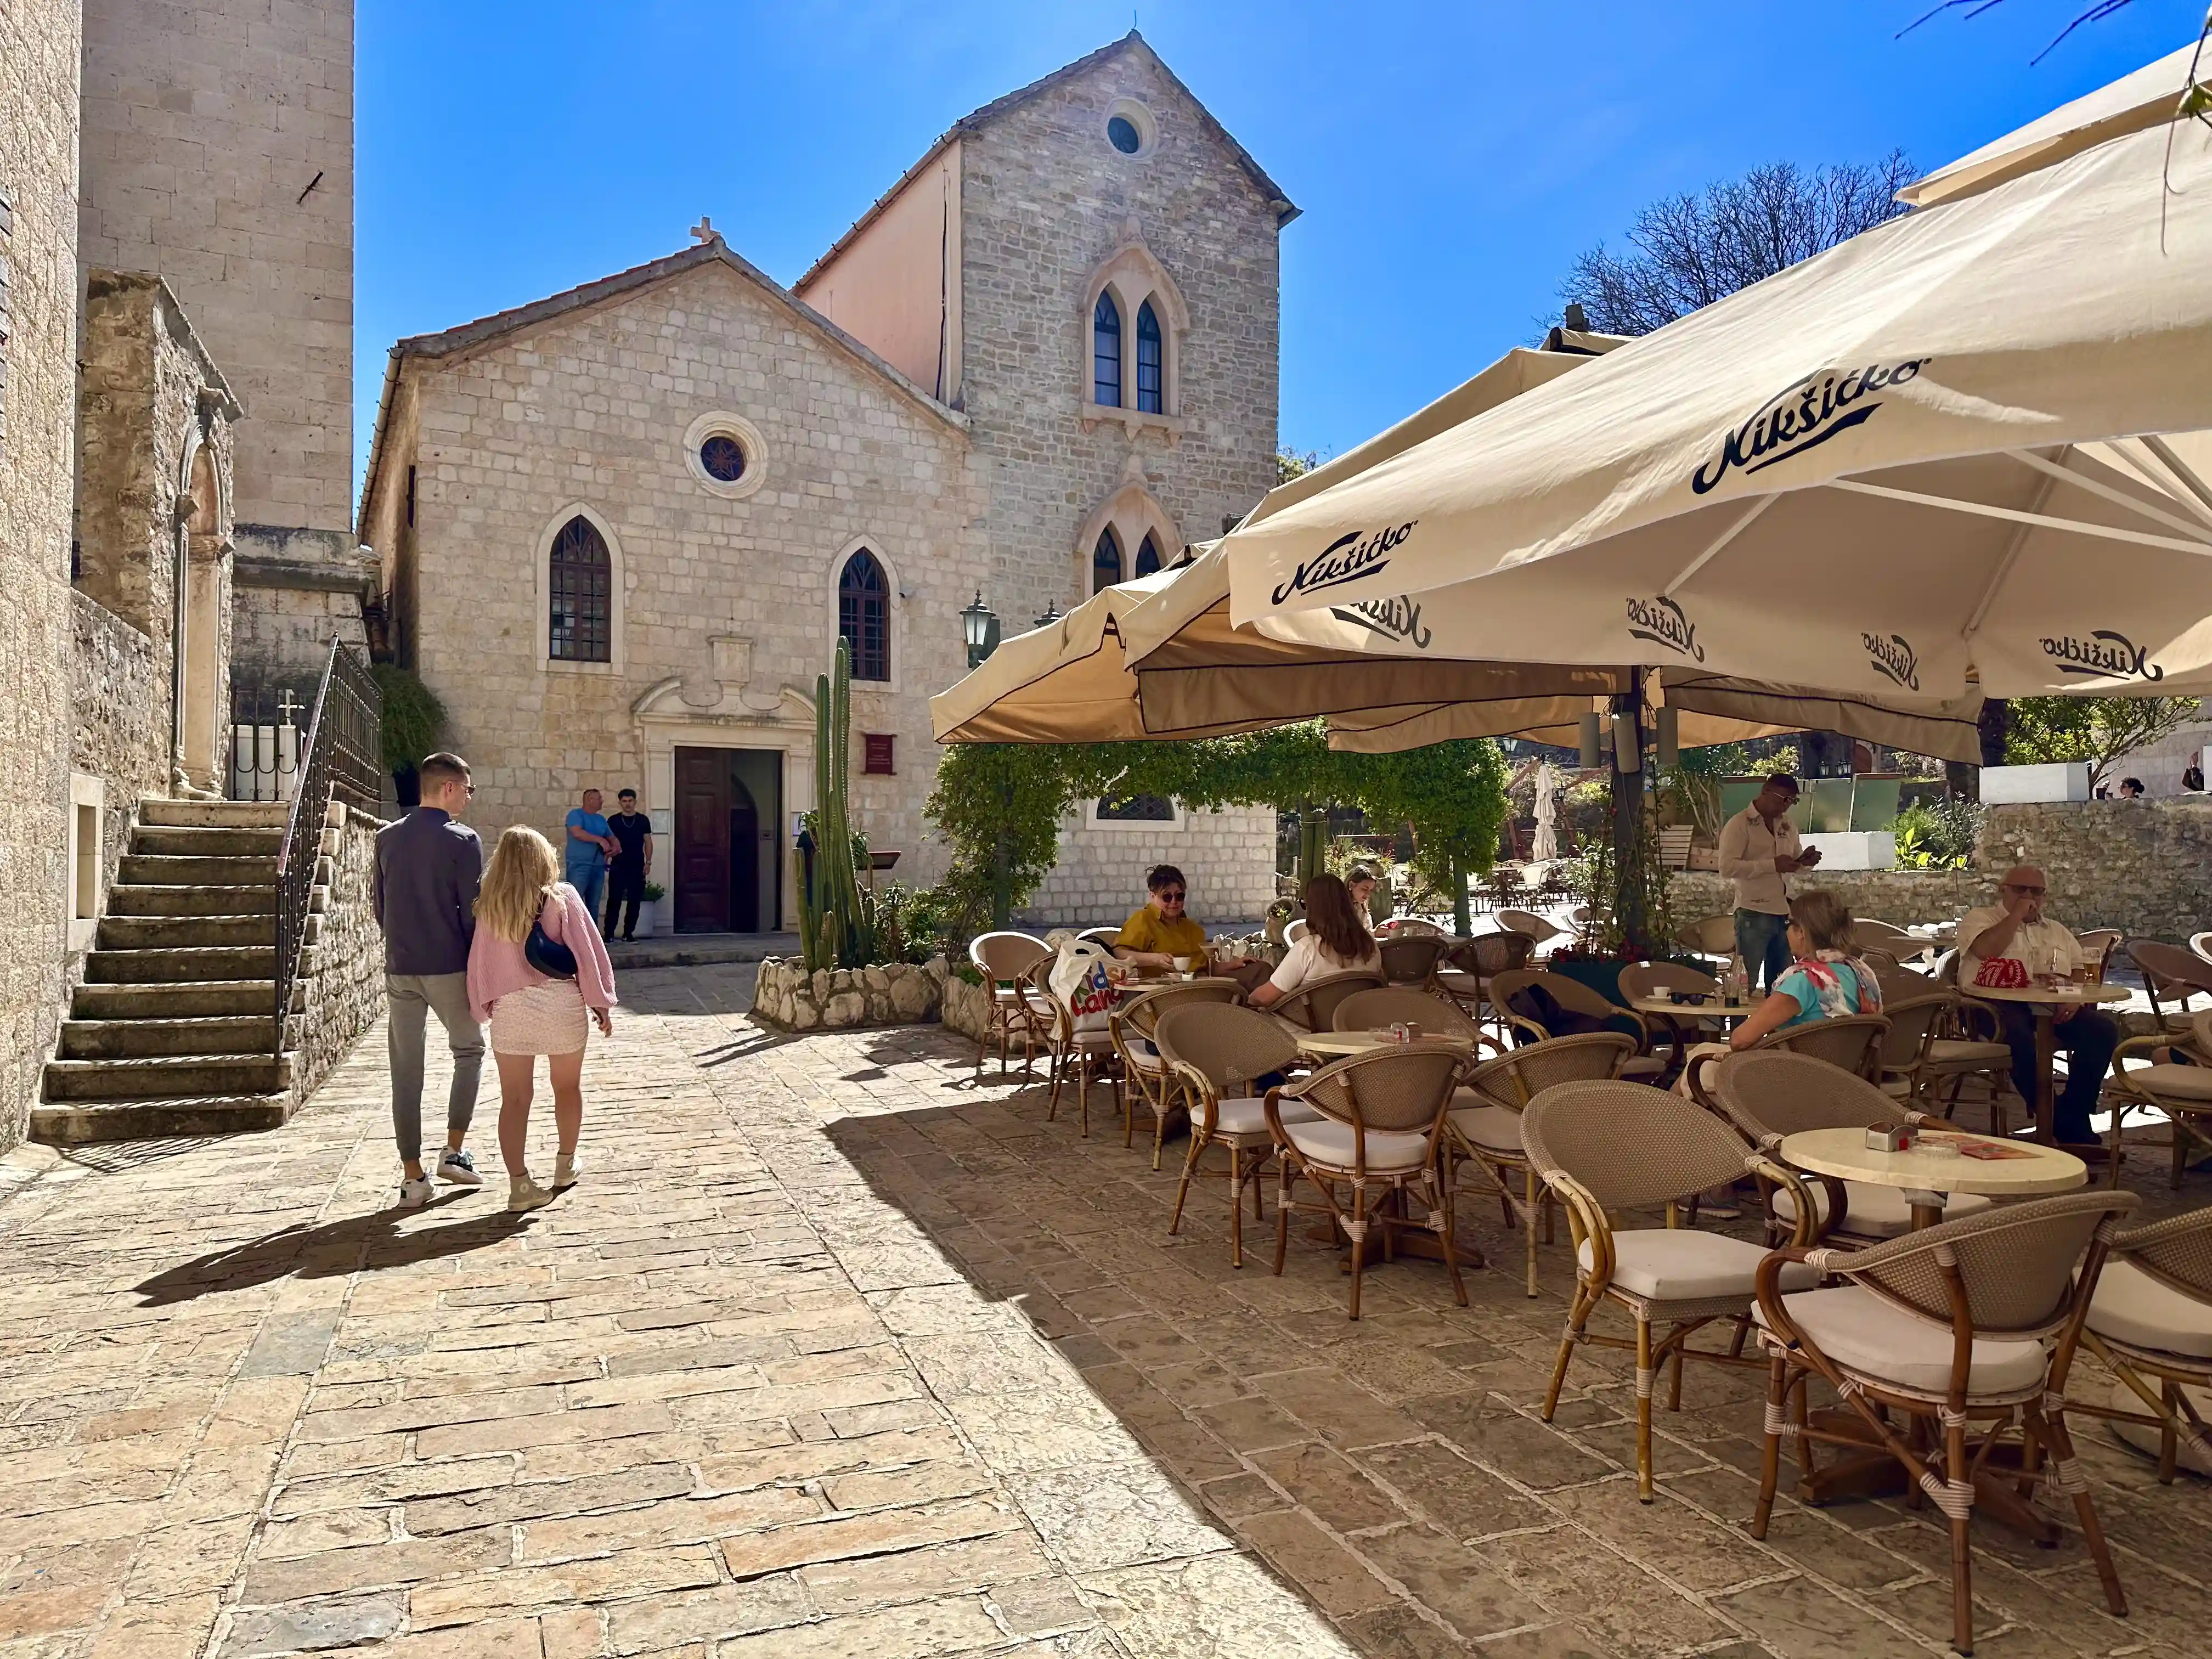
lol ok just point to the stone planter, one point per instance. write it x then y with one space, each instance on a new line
649 918
895 993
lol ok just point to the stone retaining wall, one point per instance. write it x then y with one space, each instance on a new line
119 710
834 999
341 985
2144 867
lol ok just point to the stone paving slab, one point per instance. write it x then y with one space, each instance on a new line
838 1349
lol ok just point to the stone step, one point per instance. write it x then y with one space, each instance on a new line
171 869
195 842
165 1077
136 899
161 932
214 814
193 963
78 1122
127 1039
173 999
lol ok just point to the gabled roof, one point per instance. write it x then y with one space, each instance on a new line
978 119
467 336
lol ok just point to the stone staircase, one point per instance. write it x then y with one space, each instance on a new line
173 1030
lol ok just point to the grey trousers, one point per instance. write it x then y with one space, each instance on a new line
414 997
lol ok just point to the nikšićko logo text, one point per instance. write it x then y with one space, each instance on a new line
1808 415
1663 621
1394 619
2104 654
1894 657
1346 559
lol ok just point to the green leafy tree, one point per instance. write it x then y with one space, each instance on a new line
413 718
2098 730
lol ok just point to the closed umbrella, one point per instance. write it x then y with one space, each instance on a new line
1961 447
1547 845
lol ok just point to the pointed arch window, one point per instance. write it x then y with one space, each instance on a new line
864 615
1148 557
1106 353
1152 379
1105 560
580 628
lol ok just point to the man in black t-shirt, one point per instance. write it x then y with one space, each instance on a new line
633 862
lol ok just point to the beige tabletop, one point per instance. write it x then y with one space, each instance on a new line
2051 996
1692 1010
1340 1044
1844 1153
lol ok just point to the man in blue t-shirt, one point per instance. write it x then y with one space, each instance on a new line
586 850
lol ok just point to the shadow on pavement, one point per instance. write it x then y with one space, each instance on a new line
357 1244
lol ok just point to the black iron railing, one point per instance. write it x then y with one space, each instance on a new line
339 759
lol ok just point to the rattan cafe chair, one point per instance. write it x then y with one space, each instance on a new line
1966 1046
1575 998
2180 1089
1606 1147
1770 1093
1466 971
1657 979
1412 958
2150 1322
1143 1072
1953 1327
1086 1053
2097 946
1539 929
1888 936
2170 975
1003 959
1713 937
1313 1004
1901 1059
1373 1155
1851 1044
1215 1052
1483 1125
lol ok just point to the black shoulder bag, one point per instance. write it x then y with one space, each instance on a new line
545 953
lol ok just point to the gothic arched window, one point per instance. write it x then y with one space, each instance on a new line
1105 561
1106 353
1150 378
864 615
1148 557
580 628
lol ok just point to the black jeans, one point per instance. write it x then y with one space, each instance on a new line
2087 1040
625 883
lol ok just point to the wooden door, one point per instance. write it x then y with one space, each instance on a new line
703 840
745 864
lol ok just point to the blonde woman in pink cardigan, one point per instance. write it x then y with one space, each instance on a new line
533 1013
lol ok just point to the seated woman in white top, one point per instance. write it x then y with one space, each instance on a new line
1336 941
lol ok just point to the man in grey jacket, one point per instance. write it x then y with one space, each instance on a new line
428 868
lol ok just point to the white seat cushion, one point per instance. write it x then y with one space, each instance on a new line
1494 1128
1327 1141
1872 1210
1144 1056
2132 1307
1244 1114
1682 1264
1861 1332
1952 1051
2173 1082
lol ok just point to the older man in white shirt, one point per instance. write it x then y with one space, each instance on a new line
1759 848
2016 927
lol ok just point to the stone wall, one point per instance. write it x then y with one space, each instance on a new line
341 987
119 702
896 993
39 56
1228 858
2144 867
218 151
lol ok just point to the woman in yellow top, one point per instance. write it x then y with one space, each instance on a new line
1159 932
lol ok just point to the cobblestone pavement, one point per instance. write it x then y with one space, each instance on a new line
837 1351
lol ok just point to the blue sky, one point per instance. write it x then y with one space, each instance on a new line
1452 159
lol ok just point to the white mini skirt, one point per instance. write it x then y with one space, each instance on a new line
544 1019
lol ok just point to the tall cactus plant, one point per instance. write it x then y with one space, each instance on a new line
836 913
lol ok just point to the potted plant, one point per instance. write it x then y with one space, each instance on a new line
648 913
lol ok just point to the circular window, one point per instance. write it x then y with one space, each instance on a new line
723 458
725 454
1130 128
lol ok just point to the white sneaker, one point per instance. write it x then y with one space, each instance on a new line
414 1192
565 1171
523 1194
457 1168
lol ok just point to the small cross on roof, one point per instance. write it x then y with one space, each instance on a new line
704 231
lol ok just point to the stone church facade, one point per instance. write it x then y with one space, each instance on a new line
623 528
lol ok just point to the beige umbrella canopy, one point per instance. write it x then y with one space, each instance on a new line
2150 97
1897 467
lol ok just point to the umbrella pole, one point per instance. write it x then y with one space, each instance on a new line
1631 904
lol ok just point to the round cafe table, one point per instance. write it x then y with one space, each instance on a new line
2027 1170
1335 1045
2046 1000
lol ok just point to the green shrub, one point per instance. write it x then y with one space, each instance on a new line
413 717
1938 834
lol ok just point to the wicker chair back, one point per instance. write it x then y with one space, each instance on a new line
2016 1262
1768 1093
1411 959
1386 1005
1516 1077
1407 1088
1313 1004
1141 1014
1229 1044
1006 956
1852 1043
1656 979
2177 1251
1628 1144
